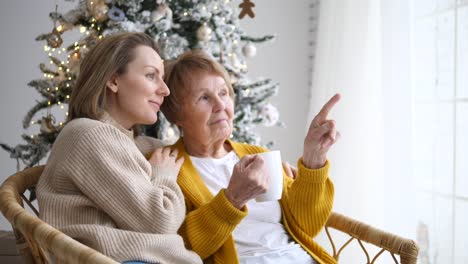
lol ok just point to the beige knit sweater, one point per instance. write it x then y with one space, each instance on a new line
98 188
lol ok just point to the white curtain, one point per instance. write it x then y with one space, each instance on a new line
362 52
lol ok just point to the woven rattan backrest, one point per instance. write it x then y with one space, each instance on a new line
37 241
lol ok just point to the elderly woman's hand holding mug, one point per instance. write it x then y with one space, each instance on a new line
249 179
321 136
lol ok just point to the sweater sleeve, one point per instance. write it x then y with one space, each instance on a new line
308 200
108 168
208 227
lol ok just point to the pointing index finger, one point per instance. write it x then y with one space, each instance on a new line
322 115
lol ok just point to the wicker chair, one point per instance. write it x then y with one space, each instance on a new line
39 242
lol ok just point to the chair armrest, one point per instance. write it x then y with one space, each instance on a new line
39 242
407 249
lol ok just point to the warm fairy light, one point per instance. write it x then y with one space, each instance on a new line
87 32
91 2
48 89
84 46
204 7
98 28
68 85
61 107
66 113
51 62
61 123
59 28
32 122
53 50
185 13
82 30
45 75
93 20
92 25
60 68
32 136
59 103
63 49
229 54
76 43
59 52
69 78
215 7
100 36
67 62
50 54
56 88
46 48
68 70
68 96
48 103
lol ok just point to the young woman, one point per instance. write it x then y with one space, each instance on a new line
97 186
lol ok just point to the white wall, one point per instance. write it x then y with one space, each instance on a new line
284 61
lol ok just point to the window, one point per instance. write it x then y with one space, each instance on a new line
440 150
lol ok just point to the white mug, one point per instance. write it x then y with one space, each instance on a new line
274 165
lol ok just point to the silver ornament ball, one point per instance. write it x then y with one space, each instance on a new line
249 50
204 33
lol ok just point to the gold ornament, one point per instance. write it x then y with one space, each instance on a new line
54 39
100 12
91 4
47 126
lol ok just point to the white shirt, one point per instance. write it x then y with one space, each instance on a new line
260 237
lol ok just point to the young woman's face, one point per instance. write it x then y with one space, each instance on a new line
136 96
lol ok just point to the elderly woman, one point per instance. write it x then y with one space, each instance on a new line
220 178
97 186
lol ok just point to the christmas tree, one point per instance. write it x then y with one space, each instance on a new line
176 25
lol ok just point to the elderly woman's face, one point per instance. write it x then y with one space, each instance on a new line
207 109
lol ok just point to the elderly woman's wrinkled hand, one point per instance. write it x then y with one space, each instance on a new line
165 161
290 170
249 179
321 136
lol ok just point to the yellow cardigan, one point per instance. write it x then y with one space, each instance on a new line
306 204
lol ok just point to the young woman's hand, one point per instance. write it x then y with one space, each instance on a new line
164 161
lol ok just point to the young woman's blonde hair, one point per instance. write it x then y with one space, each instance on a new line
180 75
110 56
